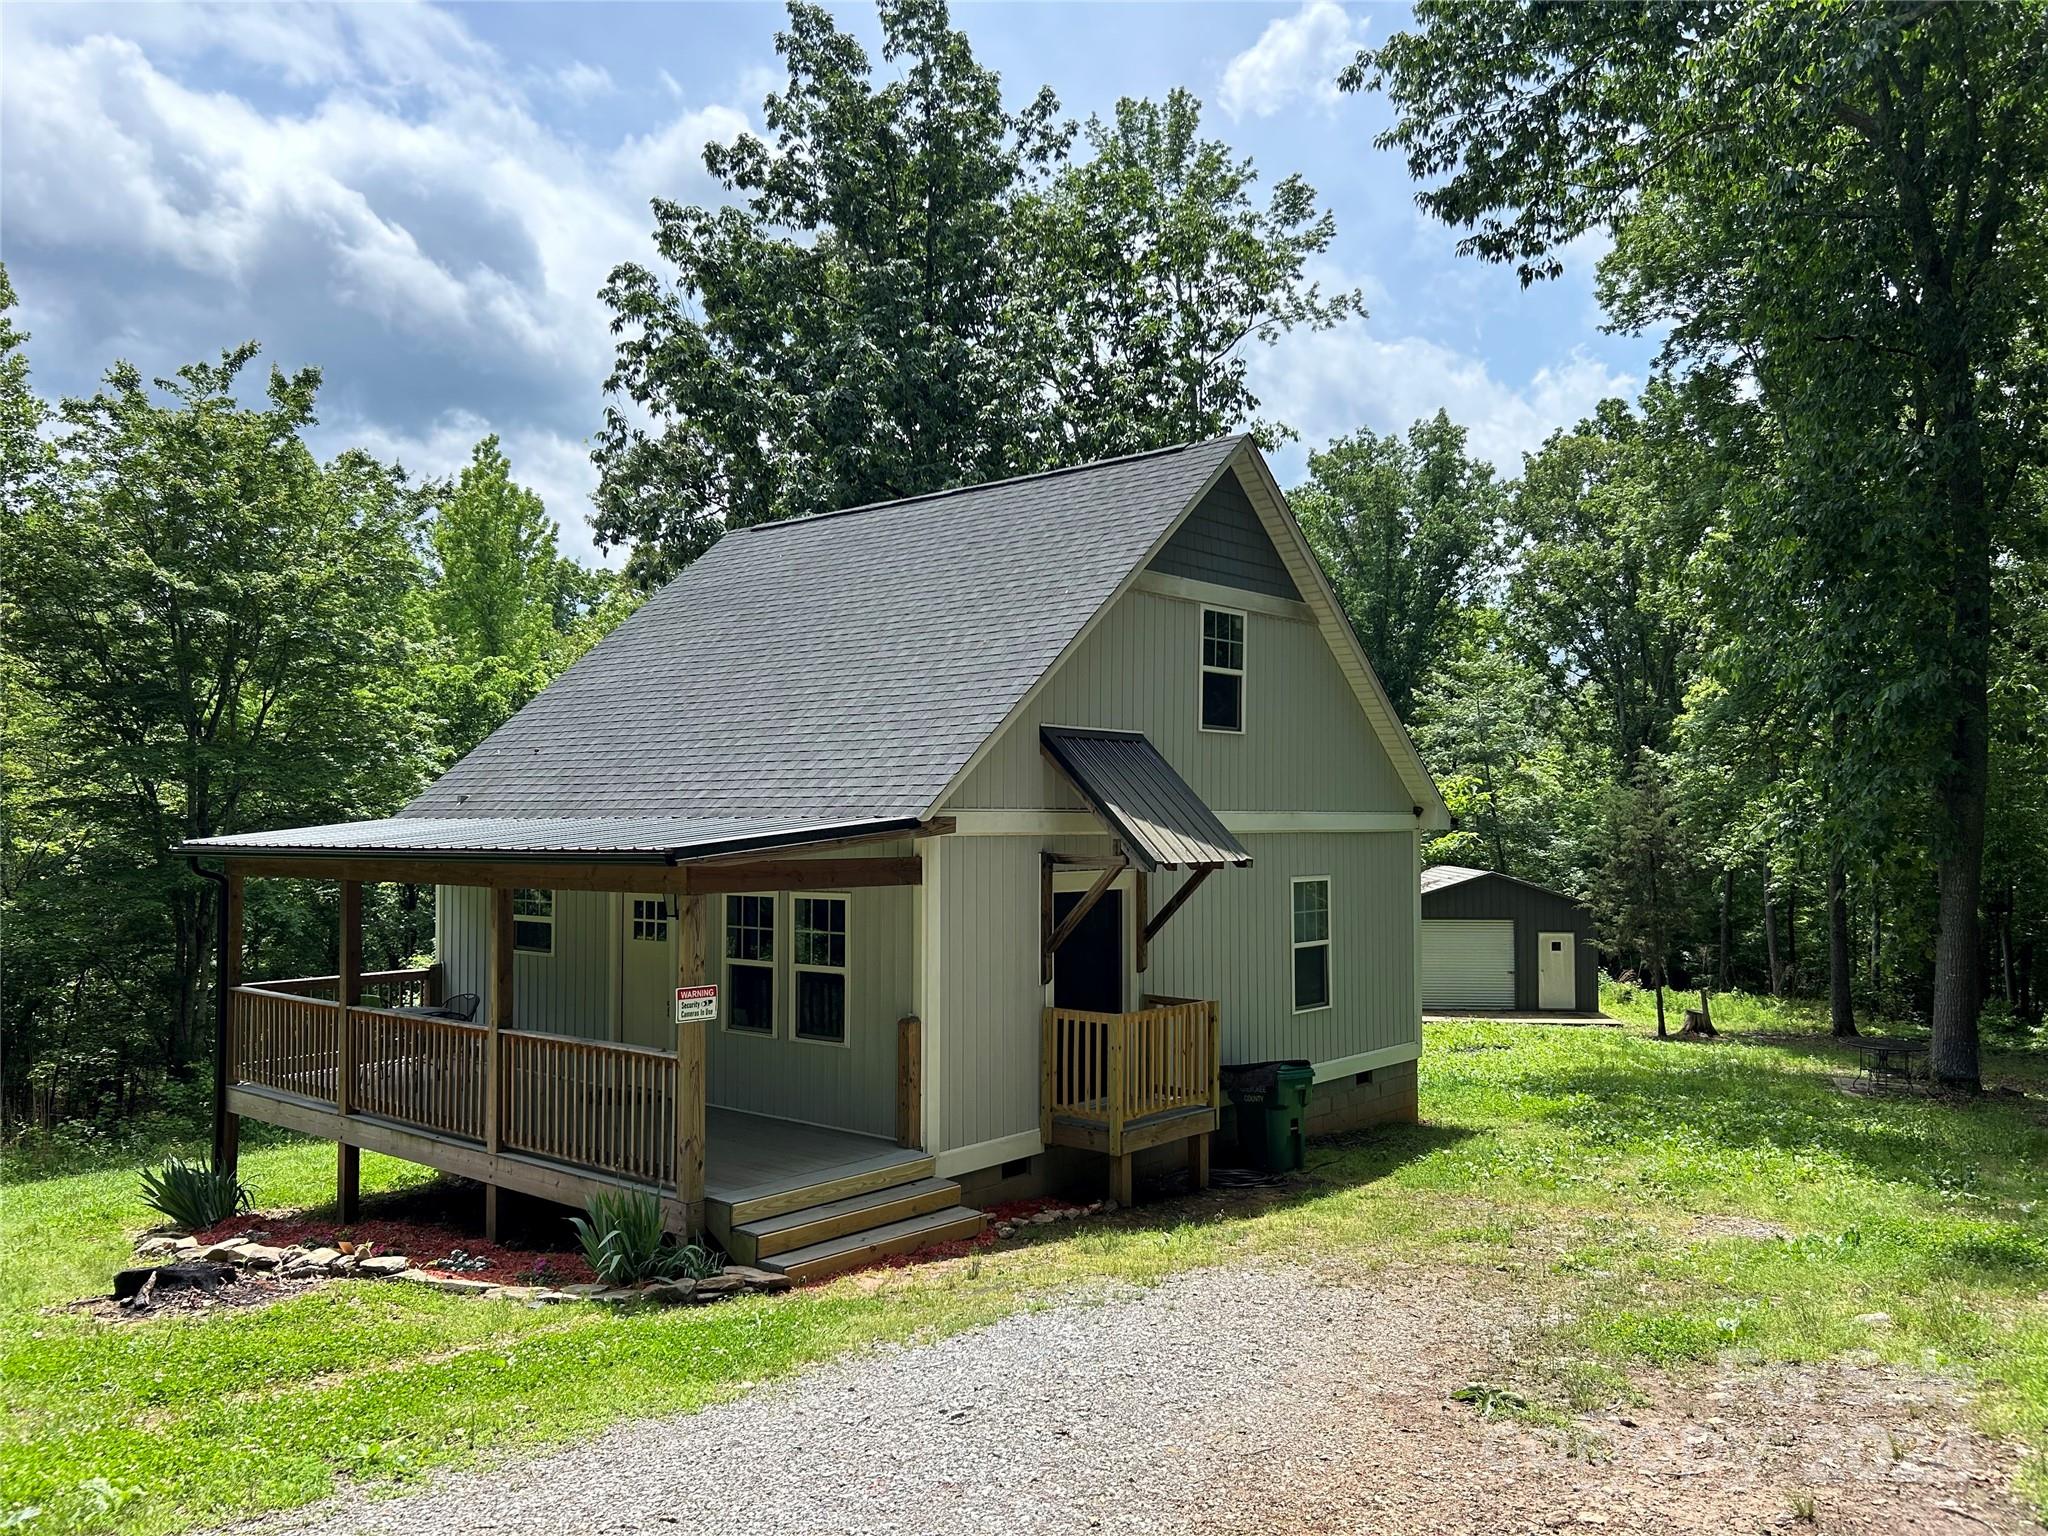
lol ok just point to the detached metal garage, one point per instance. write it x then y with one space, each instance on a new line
1492 943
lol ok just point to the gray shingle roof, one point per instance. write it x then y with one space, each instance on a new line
835 667
642 837
1164 824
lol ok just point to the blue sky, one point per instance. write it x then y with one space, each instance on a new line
423 201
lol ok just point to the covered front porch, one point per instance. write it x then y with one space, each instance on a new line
377 1059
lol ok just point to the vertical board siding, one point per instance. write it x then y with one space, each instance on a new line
1223 541
1306 744
988 1015
568 992
851 1087
571 993
1231 942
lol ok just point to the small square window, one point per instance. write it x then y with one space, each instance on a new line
650 920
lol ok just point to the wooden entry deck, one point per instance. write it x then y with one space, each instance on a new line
1118 1083
561 1118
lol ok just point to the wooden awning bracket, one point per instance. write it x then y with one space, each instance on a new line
1149 930
1050 935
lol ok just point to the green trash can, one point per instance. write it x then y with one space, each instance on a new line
1271 1103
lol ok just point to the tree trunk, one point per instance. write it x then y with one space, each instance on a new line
1777 976
1876 931
1721 954
1658 985
1841 1007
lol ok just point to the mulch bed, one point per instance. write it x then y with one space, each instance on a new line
430 1245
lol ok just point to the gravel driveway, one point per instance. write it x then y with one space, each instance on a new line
1233 1400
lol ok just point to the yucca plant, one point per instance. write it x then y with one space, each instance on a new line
622 1237
194 1195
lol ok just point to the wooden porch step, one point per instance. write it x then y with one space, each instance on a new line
753 1241
882 1172
857 1248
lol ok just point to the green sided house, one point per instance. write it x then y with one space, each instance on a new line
887 862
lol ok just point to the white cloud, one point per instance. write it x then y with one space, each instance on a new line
554 466
1333 382
402 216
584 82
1296 58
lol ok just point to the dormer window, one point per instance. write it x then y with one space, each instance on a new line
1222 670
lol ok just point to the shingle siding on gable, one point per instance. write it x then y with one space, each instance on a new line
1224 542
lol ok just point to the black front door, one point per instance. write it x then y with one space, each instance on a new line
1088 970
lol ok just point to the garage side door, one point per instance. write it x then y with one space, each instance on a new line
1467 964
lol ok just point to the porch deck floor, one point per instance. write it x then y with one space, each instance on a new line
747 1156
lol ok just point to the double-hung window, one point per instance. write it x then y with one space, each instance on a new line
1311 942
750 964
1222 670
820 968
533 921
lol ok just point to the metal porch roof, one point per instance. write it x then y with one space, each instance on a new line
1162 821
636 839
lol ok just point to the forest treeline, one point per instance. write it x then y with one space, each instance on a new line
1755 663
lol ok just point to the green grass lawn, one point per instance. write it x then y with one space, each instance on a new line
1580 1160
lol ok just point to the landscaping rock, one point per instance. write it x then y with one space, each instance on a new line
456 1285
382 1264
758 1279
620 1296
582 1291
316 1261
156 1247
551 1298
1874 1319
670 1293
227 1251
718 1287
512 1293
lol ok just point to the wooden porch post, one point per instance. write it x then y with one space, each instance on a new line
227 1128
348 992
499 1019
690 967
909 1081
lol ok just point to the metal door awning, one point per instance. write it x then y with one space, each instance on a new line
1161 822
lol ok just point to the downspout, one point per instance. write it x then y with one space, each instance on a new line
223 1148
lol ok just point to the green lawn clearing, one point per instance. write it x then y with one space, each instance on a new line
1594 1162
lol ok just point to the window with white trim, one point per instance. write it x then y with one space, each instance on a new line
1311 942
533 922
650 919
750 964
820 968
1222 670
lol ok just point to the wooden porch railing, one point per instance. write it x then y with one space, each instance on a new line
1103 1071
418 987
425 1072
286 1042
594 1103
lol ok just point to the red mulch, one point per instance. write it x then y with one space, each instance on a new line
423 1242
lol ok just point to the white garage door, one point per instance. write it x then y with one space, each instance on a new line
1467 964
